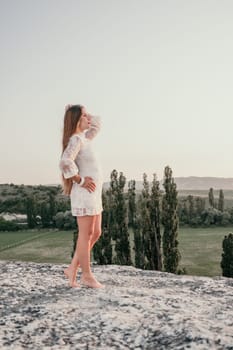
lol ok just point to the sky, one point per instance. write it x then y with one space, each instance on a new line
158 72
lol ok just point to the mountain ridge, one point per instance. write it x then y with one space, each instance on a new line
183 183
203 183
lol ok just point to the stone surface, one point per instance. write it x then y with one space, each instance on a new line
136 310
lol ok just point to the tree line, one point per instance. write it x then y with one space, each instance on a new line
45 207
40 204
195 212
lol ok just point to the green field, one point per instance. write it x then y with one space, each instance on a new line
43 246
201 249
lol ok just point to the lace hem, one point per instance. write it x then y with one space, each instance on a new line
85 211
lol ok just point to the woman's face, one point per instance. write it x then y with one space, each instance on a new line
84 122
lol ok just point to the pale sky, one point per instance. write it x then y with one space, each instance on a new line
158 72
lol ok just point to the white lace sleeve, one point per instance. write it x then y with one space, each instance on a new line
94 128
67 163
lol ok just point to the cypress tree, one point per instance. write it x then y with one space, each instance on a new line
200 205
211 197
221 201
134 224
156 258
113 203
183 211
171 254
150 225
119 220
227 256
45 214
191 208
31 211
102 250
106 229
132 203
138 246
145 224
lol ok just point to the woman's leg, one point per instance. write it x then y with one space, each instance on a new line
82 251
94 238
97 231
88 279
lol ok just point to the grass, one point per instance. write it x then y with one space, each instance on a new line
48 246
11 239
200 248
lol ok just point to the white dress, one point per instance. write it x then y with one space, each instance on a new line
79 158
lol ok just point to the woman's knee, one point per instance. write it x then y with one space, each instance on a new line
90 233
97 233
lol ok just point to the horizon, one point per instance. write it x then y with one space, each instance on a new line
137 181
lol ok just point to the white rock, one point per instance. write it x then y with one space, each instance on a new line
136 309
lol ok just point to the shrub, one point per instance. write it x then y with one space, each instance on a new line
227 256
8 225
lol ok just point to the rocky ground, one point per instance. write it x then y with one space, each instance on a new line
136 310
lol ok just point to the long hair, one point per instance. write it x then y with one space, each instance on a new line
71 119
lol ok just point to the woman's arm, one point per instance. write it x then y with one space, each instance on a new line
67 163
94 127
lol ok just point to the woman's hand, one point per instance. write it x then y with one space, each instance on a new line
89 184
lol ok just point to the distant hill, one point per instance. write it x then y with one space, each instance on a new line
203 183
183 183
195 183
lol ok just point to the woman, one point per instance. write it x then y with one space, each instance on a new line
82 180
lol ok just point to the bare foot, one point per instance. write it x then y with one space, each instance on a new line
90 281
71 275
